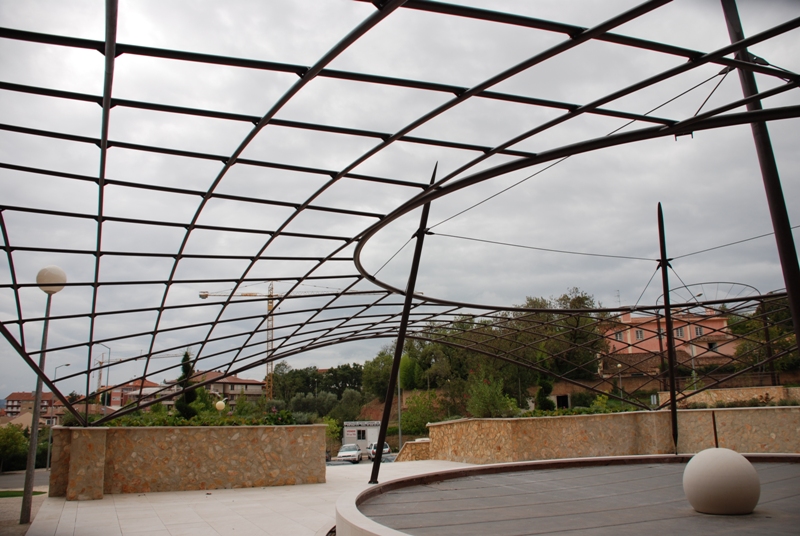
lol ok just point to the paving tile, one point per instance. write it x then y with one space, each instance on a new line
181 516
135 513
276 511
141 524
192 529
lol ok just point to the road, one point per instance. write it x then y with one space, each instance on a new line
16 479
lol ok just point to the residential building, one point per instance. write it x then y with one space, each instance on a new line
638 346
231 388
22 402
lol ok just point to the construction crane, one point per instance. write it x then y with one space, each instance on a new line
271 319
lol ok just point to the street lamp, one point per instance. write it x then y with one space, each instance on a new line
55 376
50 429
51 279
619 371
108 378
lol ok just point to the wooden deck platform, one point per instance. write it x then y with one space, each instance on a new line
619 500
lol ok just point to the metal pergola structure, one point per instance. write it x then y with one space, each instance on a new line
152 244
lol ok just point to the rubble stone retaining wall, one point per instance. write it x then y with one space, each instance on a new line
88 462
712 396
413 451
749 430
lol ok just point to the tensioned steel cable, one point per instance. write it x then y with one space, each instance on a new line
495 242
729 244
504 190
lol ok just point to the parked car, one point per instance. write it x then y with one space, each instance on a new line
350 453
371 450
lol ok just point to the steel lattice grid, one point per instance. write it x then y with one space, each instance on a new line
200 185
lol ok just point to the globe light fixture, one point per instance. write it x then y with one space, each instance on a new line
51 279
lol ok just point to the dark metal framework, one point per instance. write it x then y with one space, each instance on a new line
362 306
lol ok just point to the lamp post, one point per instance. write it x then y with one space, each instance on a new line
55 375
50 279
108 378
399 421
619 373
50 428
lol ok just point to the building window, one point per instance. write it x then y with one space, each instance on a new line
362 435
698 331
679 332
639 335
618 336
712 346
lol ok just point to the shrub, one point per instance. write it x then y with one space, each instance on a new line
301 417
542 402
583 399
487 398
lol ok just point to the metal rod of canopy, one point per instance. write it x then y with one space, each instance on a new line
401 337
769 171
671 357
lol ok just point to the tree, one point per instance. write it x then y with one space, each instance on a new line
377 372
486 398
244 407
348 407
321 404
578 337
183 403
767 332
287 382
203 401
454 399
333 431
335 380
543 403
13 443
421 409
408 373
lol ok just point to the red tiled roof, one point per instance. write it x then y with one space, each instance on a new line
215 377
25 395
139 383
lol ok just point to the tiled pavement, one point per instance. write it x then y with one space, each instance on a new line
306 510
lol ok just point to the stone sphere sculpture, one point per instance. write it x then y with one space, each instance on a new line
721 481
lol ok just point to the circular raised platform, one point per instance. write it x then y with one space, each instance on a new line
591 496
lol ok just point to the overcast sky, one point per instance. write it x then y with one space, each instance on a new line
603 202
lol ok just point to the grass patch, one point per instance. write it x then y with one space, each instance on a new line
13 493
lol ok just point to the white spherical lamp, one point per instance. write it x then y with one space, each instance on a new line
51 279
721 481
220 405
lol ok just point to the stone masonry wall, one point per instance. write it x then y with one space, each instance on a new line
712 396
150 459
751 430
413 451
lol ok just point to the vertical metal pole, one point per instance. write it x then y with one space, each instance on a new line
401 336
30 467
662 381
49 443
664 264
769 173
768 344
399 420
